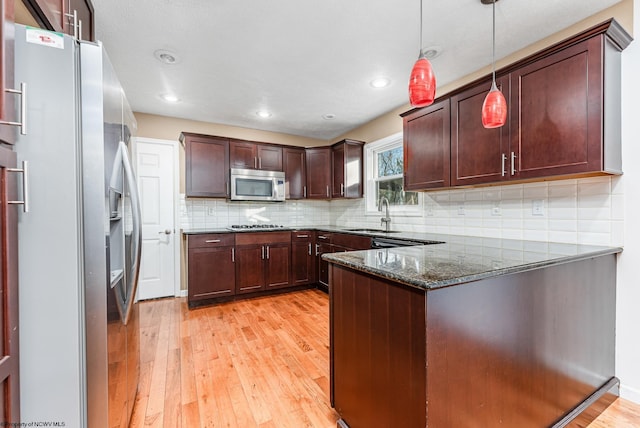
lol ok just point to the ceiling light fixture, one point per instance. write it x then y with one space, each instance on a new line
263 114
494 107
422 83
380 82
166 57
169 98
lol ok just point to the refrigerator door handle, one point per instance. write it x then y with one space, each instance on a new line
23 108
25 186
136 233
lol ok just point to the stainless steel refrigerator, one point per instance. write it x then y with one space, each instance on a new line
79 243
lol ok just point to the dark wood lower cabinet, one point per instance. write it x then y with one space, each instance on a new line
250 274
211 272
529 349
303 259
278 265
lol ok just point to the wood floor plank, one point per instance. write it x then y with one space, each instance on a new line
260 363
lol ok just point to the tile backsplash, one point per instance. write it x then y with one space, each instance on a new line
585 211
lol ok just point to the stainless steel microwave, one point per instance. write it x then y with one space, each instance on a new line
257 185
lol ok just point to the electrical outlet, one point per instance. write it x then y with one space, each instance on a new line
430 210
211 210
461 209
537 207
496 209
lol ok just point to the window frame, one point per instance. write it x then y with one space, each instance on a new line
371 204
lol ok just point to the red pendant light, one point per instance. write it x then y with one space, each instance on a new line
494 108
422 83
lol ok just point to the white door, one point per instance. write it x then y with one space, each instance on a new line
155 161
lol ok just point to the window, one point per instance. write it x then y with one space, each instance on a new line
384 161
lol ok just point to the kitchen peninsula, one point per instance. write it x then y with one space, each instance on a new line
473 332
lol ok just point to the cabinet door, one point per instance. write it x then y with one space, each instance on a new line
211 272
353 180
427 147
478 155
559 113
49 13
8 112
250 271
302 258
243 154
318 173
207 166
323 266
269 158
84 13
337 171
278 266
294 173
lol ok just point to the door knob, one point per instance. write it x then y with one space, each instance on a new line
166 232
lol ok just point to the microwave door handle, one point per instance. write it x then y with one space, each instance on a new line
275 188
136 233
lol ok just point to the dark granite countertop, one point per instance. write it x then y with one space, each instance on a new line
462 259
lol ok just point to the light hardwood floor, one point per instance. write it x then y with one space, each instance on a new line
254 363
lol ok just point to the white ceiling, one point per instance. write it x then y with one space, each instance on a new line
302 59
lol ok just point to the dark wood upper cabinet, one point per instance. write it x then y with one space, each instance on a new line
8 112
250 155
564 118
295 175
206 165
478 155
426 145
73 17
347 174
560 113
318 172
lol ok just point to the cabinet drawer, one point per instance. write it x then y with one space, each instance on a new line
354 242
250 238
211 240
323 237
302 236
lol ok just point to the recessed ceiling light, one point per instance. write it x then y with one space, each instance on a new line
166 57
432 52
169 98
263 114
329 116
380 82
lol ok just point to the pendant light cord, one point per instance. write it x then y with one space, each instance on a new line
493 59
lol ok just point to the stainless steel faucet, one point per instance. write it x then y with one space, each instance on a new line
386 219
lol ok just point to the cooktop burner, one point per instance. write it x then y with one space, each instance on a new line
255 226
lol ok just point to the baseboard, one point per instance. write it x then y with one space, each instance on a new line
630 393
182 293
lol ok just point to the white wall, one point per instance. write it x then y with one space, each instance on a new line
628 315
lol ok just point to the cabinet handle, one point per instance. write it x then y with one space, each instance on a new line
259 163
233 255
327 191
267 252
25 186
317 249
212 241
302 236
341 189
227 184
322 237
304 191
309 248
513 163
504 158
23 109
262 252
255 162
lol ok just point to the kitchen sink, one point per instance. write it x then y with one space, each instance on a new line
373 230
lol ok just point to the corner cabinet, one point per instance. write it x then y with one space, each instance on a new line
318 165
295 173
346 164
206 165
426 147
